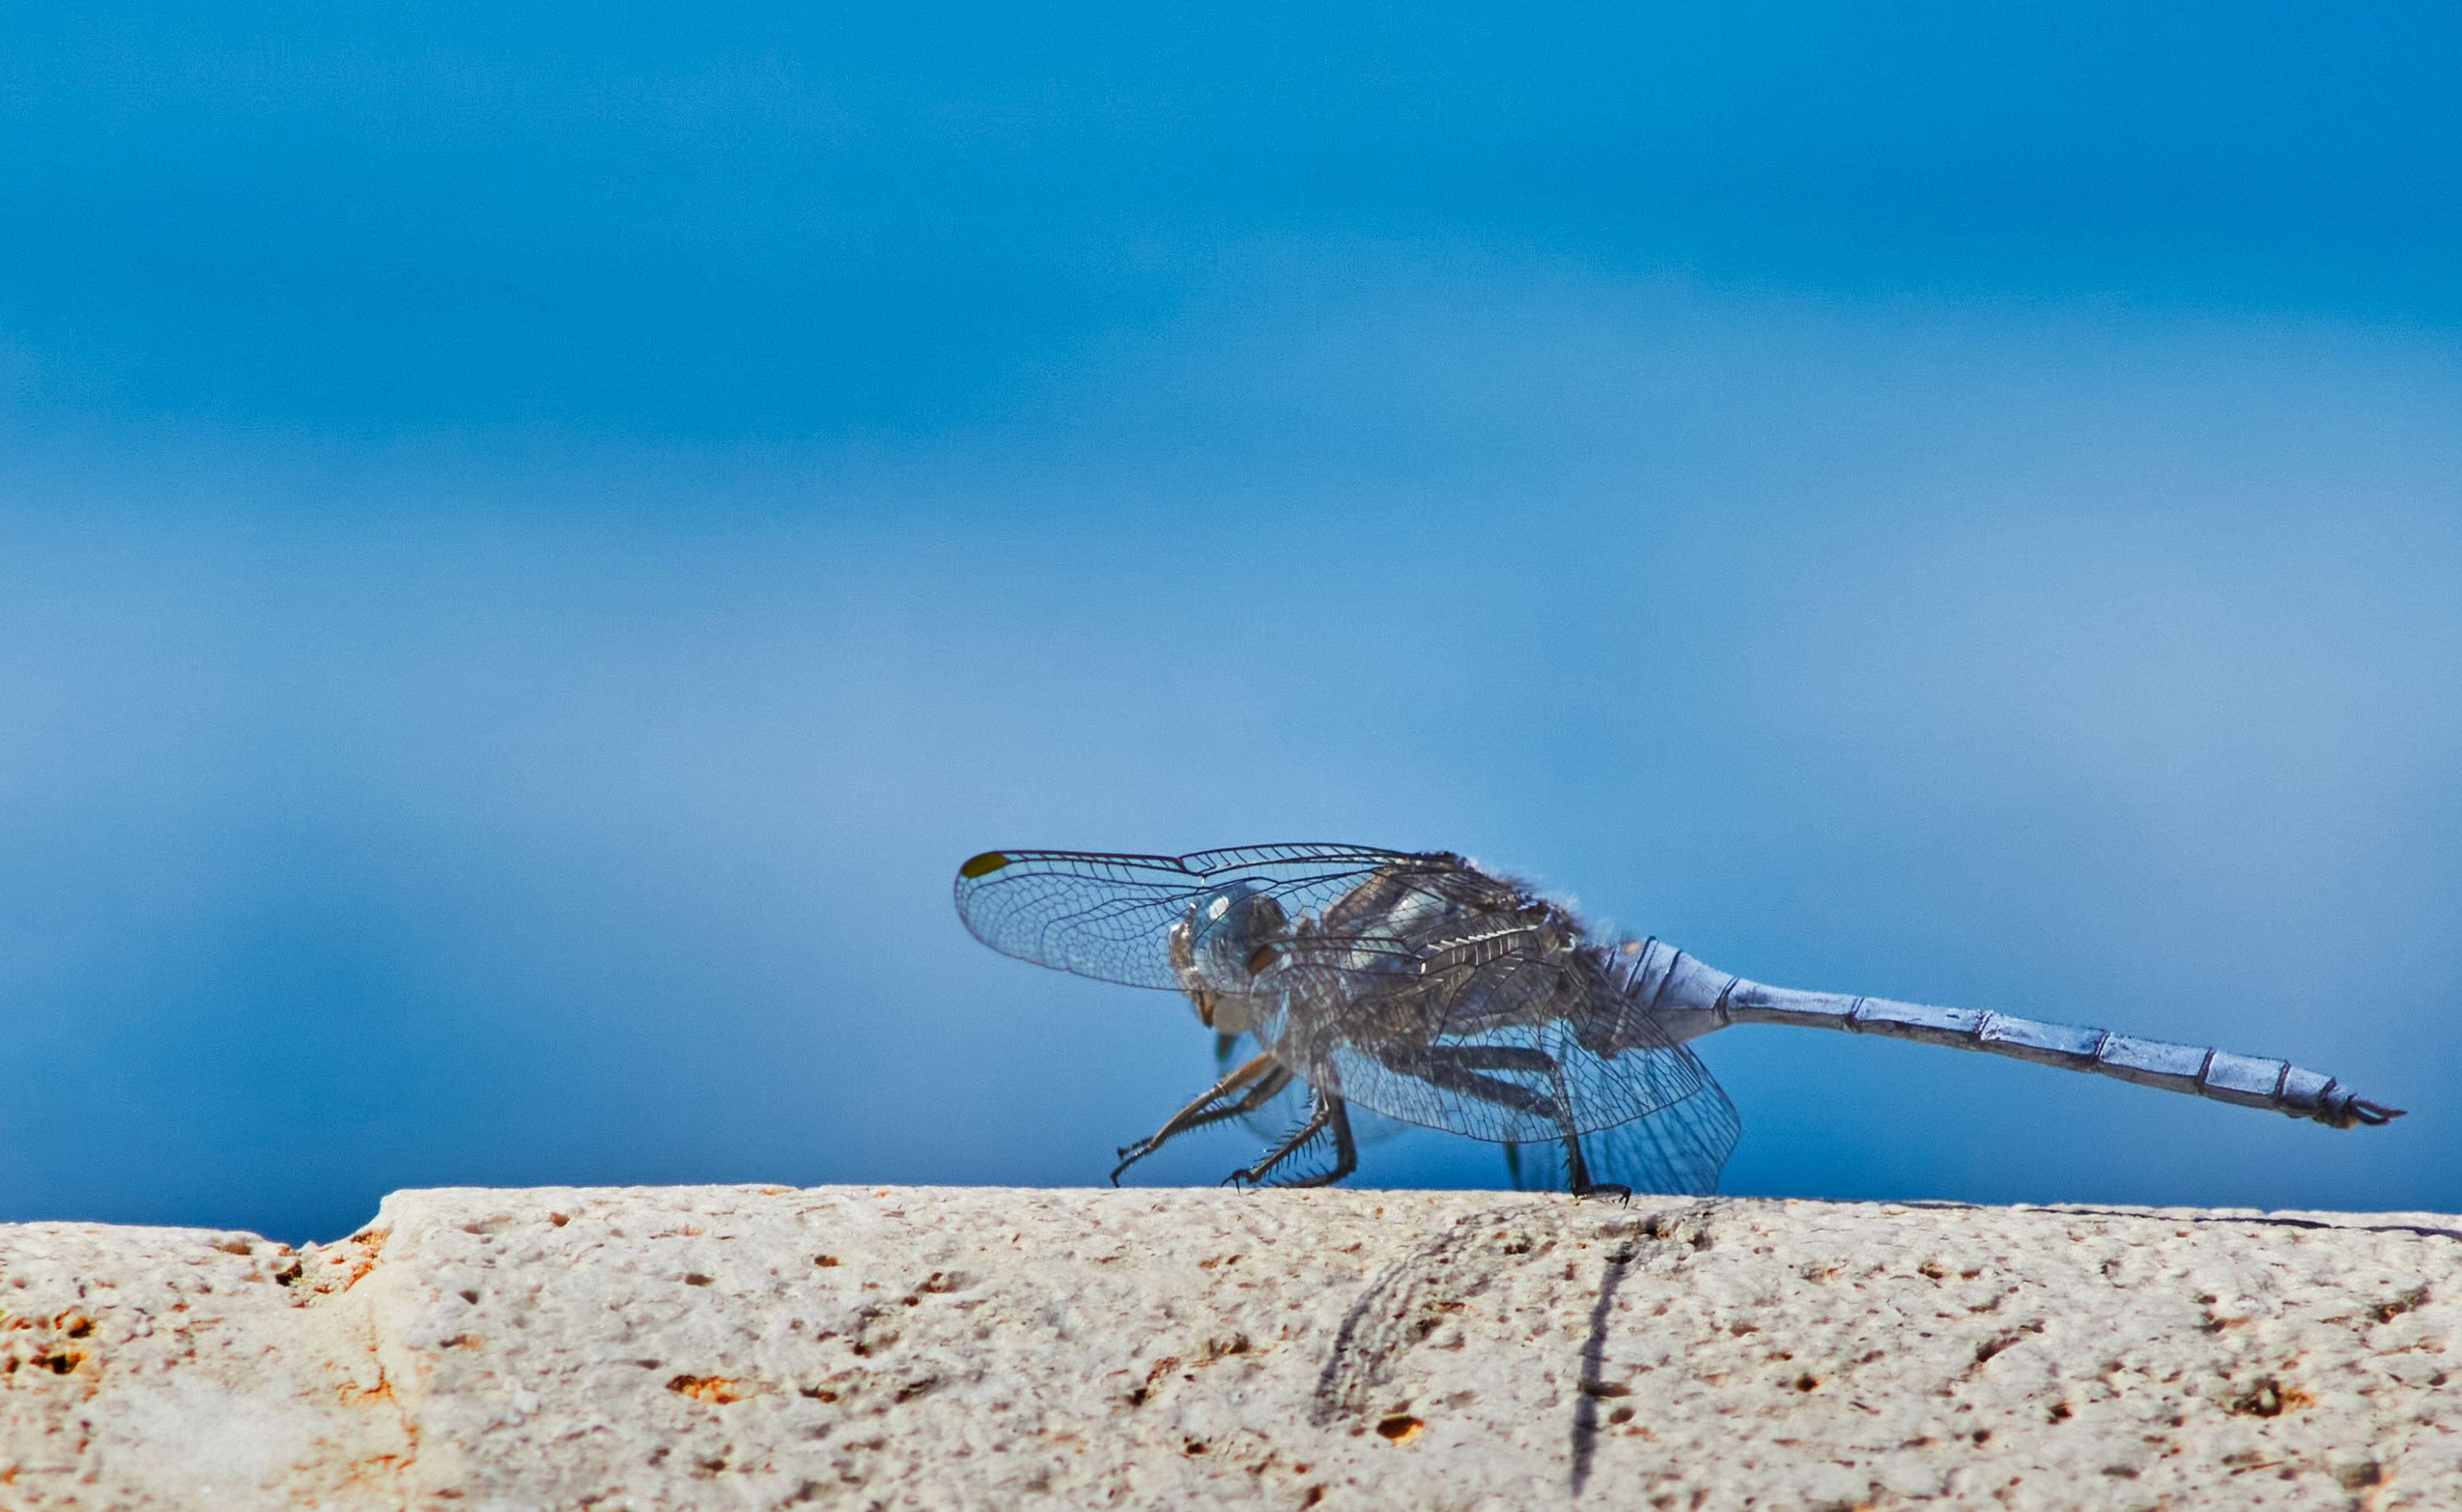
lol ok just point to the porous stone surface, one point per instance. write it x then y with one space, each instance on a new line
913 1347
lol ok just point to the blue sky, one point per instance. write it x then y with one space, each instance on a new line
529 548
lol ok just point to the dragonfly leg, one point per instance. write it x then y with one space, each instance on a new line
1263 1079
1436 1066
1330 1117
1577 1174
1462 1069
1577 1170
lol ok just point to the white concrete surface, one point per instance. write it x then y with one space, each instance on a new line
913 1347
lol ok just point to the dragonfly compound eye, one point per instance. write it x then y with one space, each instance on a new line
1176 944
1230 936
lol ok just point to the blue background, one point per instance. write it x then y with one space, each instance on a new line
530 546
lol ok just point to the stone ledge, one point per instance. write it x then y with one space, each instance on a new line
922 1346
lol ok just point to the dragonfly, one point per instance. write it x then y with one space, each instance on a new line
1423 987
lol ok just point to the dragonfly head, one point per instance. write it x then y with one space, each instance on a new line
1217 950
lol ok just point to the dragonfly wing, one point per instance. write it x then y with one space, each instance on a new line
1109 916
1530 1045
1517 1086
1679 1150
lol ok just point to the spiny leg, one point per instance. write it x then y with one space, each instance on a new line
1330 1115
1202 1109
1212 1106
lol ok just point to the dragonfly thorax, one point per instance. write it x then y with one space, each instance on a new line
1220 945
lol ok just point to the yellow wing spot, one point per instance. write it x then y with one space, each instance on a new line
1263 958
984 866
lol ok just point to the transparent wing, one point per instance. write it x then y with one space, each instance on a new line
1679 1151
1506 1038
1108 916
1523 1086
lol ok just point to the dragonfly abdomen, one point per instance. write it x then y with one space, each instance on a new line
1688 999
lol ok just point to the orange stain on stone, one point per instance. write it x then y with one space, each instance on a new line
716 1389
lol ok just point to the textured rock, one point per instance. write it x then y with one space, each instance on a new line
190 1368
732 1347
